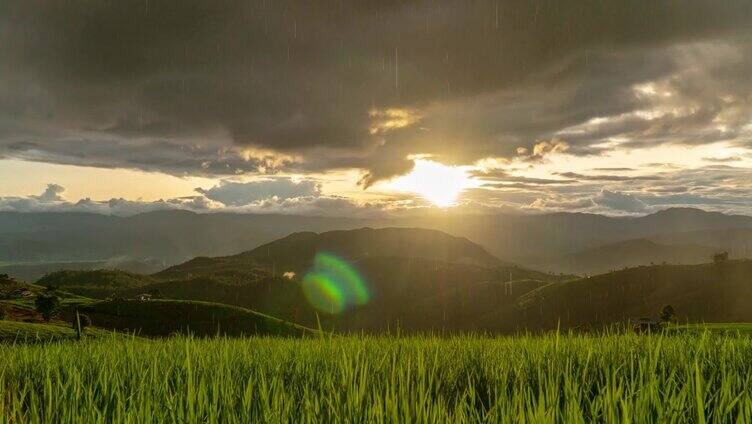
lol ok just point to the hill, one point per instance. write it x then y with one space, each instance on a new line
167 317
399 267
296 252
35 270
413 294
460 308
26 332
98 283
628 253
698 293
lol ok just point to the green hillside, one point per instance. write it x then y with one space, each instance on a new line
460 308
26 332
98 278
226 269
698 293
33 271
167 317
406 292
30 332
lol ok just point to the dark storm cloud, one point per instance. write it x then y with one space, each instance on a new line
187 87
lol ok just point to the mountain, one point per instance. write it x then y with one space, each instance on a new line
167 238
628 253
295 253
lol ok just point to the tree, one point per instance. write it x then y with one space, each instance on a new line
720 257
667 313
47 305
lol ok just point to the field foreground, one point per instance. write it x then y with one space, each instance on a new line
696 377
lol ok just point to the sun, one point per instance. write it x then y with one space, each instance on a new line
435 182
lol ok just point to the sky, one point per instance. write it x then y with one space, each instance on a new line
375 107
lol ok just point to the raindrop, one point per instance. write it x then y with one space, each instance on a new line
396 68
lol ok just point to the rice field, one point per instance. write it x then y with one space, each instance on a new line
697 377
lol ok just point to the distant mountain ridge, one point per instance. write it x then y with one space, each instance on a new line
626 254
172 237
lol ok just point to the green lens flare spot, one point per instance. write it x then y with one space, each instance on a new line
333 285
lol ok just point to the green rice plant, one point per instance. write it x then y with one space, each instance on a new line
684 377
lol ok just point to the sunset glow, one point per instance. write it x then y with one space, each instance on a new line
435 182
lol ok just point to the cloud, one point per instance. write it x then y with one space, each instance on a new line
620 202
616 169
51 201
559 203
232 193
501 178
723 159
542 149
301 198
319 86
51 194
602 177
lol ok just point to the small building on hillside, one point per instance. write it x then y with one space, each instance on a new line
21 293
143 297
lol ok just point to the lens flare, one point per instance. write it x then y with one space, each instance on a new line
333 285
